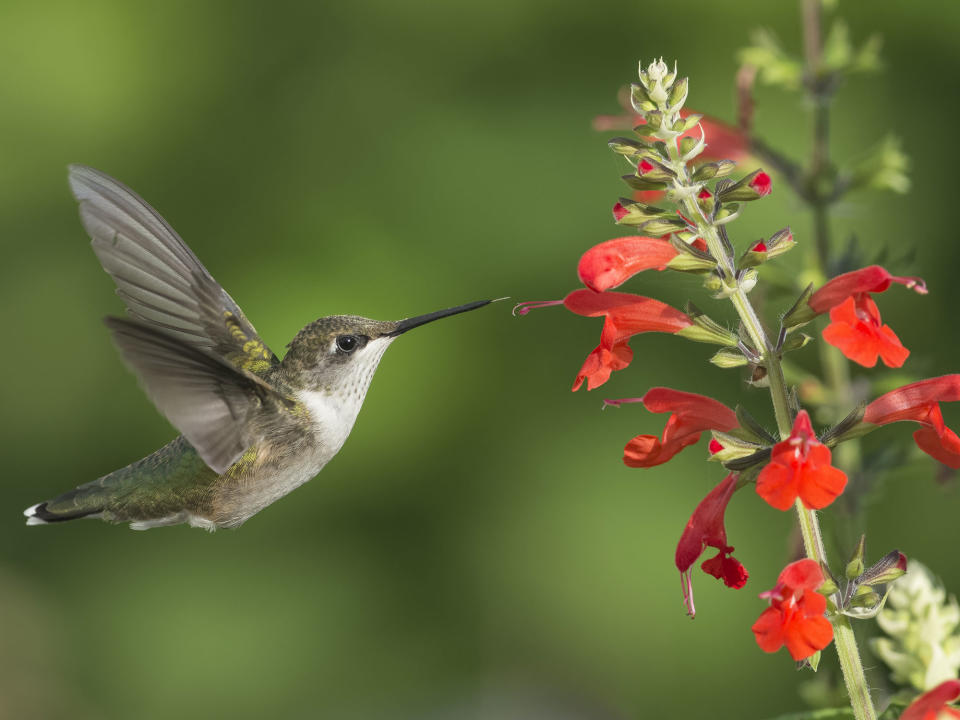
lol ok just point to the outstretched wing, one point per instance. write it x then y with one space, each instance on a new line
161 281
222 410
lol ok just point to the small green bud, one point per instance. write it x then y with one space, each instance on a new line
854 567
689 122
639 99
678 94
813 661
729 358
748 280
829 586
687 144
631 212
662 226
628 147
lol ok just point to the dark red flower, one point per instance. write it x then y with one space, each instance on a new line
800 467
644 167
932 705
795 616
613 262
691 415
920 402
759 246
856 328
705 529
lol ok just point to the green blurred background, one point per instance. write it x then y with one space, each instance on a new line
477 550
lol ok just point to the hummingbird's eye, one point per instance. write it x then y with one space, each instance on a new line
347 343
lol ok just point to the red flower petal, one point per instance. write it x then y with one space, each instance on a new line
932 705
619 212
913 401
856 331
800 467
644 166
613 262
795 616
872 279
919 402
600 363
705 529
691 415
727 568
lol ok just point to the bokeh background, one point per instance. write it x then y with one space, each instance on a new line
477 550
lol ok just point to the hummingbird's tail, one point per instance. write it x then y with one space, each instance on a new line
42 514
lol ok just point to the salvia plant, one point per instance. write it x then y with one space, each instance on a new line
686 193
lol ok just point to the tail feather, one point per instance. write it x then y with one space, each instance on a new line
41 514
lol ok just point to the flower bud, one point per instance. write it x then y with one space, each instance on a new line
728 358
889 568
732 447
678 95
641 102
628 212
753 187
855 566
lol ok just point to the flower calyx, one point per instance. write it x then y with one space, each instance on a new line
861 597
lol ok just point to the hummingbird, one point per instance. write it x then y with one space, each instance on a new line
253 427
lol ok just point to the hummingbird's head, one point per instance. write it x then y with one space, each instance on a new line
338 355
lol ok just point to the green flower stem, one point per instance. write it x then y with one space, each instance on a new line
853 676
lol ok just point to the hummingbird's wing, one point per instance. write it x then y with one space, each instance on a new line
221 409
159 278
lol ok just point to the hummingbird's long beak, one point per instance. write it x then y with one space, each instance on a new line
410 323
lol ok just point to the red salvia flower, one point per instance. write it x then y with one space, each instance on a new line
920 402
932 705
691 415
613 262
856 328
800 467
857 331
625 315
795 616
705 529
